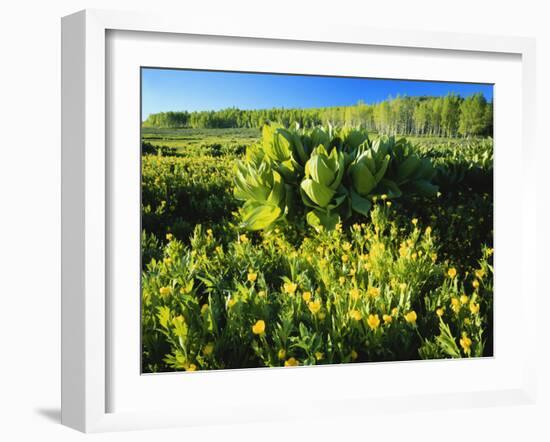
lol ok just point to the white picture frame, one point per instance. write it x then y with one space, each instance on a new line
86 316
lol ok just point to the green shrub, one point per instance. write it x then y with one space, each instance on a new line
325 175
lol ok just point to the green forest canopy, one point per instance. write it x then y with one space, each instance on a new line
448 116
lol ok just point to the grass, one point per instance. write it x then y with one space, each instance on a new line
180 139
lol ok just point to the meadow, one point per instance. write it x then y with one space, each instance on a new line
284 247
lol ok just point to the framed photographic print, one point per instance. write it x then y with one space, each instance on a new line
251 214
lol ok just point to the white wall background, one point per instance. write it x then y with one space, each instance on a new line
30 214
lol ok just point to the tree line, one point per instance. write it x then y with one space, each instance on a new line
448 116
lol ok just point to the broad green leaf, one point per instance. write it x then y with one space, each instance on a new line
319 194
389 188
337 200
359 204
382 169
320 170
407 168
423 187
317 218
261 216
363 180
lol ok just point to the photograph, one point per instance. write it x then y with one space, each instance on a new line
297 220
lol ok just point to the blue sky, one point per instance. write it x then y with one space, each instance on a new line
178 90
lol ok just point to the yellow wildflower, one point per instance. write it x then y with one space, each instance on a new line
354 293
346 246
387 319
191 367
467 321
455 305
464 299
384 197
394 311
165 291
231 302
319 355
428 230
243 238
403 286
451 272
290 287
474 307
414 221
345 258
373 321
355 315
252 276
261 293
411 317
475 284
169 236
388 203
291 362
465 343
314 306
259 327
373 292
306 296
480 273
439 312
341 279
281 354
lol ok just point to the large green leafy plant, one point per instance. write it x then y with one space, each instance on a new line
324 174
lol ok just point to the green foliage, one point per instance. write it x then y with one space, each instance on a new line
342 170
180 192
408 173
473 115
428 116
263 192
215 297
375 292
